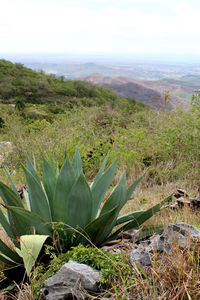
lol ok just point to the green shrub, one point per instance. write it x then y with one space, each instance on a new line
111 266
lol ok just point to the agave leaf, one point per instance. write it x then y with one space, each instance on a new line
31 169
9 197
101 186
6 260
5 224
77 163
128 217
80 203
143 217
65 181
17 226
34 163
11 182
130 191
38 199
5 250
26 197
31 246
117 197
30 221
49 180
52 163
97 230
100 172
148 231
132 187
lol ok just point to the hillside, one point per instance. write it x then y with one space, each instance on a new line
146 144
146 90
17 81
37 87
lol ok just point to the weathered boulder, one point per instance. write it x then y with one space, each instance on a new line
183 199
181 234
70 282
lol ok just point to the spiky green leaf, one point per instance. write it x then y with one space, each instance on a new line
100 172
31 222
133 186
148 231
37 197
128 217
31 168
6 226
11 182
31 246
26 197
80 203
97 230
65 181
34 163
49 180
9 197
101 186
5 250
77 163
143 217
117 197
7 260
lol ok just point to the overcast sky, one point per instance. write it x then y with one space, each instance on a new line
100 26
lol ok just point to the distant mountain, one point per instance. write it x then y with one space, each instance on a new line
145 90
191 79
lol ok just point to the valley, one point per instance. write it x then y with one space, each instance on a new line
140 80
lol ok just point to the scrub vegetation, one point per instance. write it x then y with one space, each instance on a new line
49 117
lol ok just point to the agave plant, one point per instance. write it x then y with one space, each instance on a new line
64 197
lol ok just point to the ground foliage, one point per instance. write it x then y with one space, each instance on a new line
165 143
111 267
57 116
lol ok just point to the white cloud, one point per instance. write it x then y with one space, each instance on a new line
49 25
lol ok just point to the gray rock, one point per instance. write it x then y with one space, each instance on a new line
184 199
70 281
142 258
179 234
62 293
185 229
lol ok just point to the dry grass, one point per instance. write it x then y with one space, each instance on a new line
175 276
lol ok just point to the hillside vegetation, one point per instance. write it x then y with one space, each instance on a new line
138 136
180 92
37 87
164 146
167 145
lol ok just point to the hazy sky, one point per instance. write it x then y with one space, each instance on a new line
100 26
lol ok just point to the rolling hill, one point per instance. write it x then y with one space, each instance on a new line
147 90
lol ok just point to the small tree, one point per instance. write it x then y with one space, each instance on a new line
20 103
164 100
